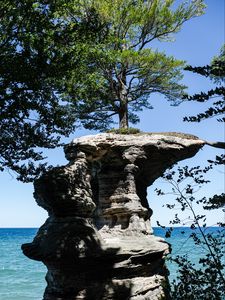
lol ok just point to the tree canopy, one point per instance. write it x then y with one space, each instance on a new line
35 52
65 62
117 75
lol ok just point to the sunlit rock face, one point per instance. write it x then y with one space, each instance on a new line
97 242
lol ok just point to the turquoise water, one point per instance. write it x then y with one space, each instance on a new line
24 279
20 277
183 245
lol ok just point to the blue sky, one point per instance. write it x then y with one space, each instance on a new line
199 40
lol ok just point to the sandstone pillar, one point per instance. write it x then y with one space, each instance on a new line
97 242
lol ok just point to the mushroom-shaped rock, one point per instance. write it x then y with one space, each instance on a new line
98 241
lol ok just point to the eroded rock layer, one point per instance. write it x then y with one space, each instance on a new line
97 242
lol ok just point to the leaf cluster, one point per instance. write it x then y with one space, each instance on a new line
216 73
203 281
195 281
66 61
37 48
122 65
207 279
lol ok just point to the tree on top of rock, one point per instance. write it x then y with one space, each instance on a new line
117 75
69 60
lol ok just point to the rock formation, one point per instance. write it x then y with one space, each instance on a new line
97 242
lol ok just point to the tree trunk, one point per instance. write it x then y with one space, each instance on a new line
123 116
123 111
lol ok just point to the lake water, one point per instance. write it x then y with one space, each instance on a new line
24 279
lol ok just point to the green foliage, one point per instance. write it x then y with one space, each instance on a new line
37 47
84 61
216 73
207 279
204 281
217 201
117 75
129 130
